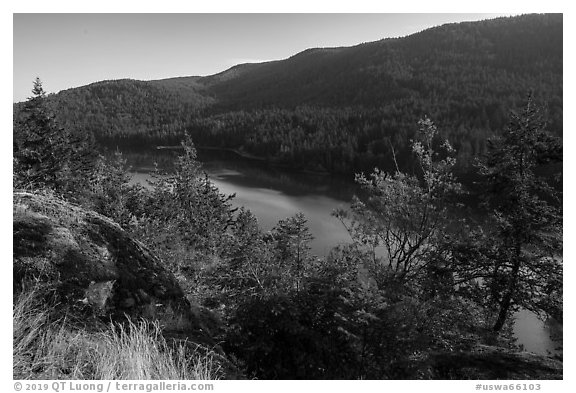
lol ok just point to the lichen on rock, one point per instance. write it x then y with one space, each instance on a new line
95 266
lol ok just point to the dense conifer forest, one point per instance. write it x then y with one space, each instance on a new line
342 110
417 293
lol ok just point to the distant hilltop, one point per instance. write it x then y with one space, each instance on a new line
354 101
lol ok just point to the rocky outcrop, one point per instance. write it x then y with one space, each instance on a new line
95 267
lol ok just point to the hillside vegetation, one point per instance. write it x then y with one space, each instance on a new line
176 276
343 109
46 347
417 293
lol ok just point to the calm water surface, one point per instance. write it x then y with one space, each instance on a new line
273 194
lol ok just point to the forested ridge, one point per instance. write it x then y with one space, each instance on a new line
343 110
420 291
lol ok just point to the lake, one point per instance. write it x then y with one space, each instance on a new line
273 194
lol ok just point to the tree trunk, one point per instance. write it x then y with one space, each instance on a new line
503 314
507 299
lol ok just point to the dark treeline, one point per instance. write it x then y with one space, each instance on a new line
417 293
343 110
469 65
342 140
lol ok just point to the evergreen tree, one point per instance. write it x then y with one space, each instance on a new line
292 238
190 201
526 269
110 191
46 155
40 145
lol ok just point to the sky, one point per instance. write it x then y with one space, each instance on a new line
70 50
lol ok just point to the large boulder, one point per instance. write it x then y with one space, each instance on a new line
95 267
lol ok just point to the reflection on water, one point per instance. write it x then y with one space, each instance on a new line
535 335
270 206
272 195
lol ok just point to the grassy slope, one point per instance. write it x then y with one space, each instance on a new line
44 348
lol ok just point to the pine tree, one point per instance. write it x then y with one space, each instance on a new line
292 238
40 153
527 240
46 155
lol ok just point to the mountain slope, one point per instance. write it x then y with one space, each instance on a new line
112 108
342 109
452 61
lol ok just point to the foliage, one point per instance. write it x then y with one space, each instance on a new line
402 217
526 269
341 327
340 110
187 201
256 264
291 251
110 191
411 285
188 198
44 154
246 270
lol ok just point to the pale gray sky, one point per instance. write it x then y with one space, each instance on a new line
69 50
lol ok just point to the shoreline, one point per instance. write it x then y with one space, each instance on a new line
252 157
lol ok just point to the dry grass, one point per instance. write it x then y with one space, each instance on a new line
48 349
